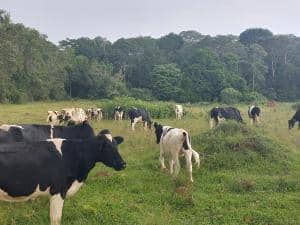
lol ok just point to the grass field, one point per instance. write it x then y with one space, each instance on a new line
235 188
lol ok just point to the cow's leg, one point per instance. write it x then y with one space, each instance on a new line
56 207
251 121
176 165
188 157
171 163
162 158
258 119
145 125
211 123
133 124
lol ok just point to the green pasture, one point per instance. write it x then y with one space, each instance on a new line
248 175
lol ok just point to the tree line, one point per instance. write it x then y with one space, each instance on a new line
184 67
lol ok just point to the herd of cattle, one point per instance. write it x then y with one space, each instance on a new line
54 160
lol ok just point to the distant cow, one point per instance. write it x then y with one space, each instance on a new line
94 114
73 115
56 168
118 113
219 114
54 118
34 132
179 112
254 114
294 119
174 141
139 115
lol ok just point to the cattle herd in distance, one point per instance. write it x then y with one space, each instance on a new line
66 154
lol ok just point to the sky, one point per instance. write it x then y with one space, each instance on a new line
113 19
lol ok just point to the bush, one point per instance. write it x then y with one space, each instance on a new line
232 145
156 109
254 97
230 96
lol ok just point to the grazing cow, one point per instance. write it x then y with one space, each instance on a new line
94 114
219 114
254 114
294 119
55 168
73 115
89 114
54 118
179 112
139 115
118 113
34 132
174 141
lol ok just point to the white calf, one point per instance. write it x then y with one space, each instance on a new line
179 111
174 141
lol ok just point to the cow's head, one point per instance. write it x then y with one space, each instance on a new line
52 116
291 123
109 153
158 131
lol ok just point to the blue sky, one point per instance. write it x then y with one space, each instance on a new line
61 19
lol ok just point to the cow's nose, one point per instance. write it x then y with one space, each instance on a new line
124 164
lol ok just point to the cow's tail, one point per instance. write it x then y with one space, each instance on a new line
186 142
196 157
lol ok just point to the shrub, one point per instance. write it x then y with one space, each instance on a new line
252 97
156 109
232 145
230 96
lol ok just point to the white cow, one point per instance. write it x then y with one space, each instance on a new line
175 141
179 111
75 115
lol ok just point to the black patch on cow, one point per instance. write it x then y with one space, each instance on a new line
255 112
39 163
158 132
35 132
228 113
294 119
185 144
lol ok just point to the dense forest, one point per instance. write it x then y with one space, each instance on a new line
184 67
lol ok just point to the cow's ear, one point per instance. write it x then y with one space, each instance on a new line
119 139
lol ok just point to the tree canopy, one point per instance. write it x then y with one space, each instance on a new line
185 67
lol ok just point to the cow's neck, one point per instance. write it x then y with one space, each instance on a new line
90 156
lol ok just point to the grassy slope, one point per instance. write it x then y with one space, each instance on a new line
143 194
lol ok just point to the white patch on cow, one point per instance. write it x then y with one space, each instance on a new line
51 132
136 120
250 109
56 207
4 196
6 127
58 143
109 137
74 188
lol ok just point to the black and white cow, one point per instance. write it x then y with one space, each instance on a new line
35 132
294 119
254 114
139 115
118 113
219 114
55 168
174 141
